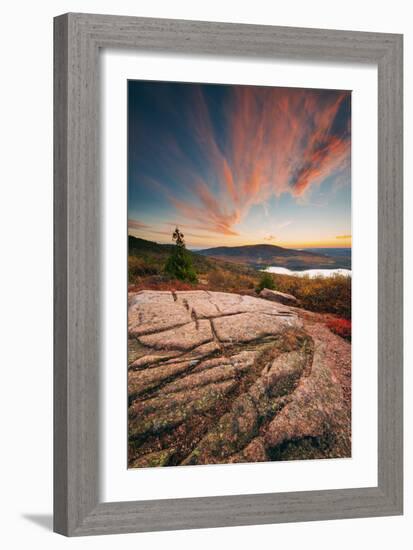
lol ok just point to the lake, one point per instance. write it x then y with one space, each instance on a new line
309 272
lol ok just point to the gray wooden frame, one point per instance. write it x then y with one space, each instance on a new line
78 39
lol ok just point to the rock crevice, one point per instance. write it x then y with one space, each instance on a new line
221 378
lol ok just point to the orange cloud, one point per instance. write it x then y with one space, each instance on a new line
277 140
136 224
343 237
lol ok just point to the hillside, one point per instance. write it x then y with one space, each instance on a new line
154 256
146 262
265 255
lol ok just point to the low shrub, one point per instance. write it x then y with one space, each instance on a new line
228 281
342 327
217 279
320 294
266 281
140 267
161 282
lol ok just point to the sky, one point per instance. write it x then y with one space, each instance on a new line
232 165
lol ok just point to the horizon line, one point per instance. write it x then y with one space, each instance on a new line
294 246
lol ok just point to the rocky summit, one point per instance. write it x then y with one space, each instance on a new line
217 378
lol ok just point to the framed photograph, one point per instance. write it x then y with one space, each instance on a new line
228 274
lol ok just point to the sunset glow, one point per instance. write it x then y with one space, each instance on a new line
236 165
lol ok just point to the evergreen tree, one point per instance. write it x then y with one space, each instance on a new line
179 264
266 281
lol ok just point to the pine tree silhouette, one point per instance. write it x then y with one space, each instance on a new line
179 264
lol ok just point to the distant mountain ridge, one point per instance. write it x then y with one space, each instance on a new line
154 256
257 256
266 255
136 244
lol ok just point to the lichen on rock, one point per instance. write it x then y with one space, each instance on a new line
221 378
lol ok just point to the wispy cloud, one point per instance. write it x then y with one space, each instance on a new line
343 237
274 141
136 224
282 225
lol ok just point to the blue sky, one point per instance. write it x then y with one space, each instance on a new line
233 165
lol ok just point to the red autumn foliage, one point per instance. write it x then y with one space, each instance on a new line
164 285
339 326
